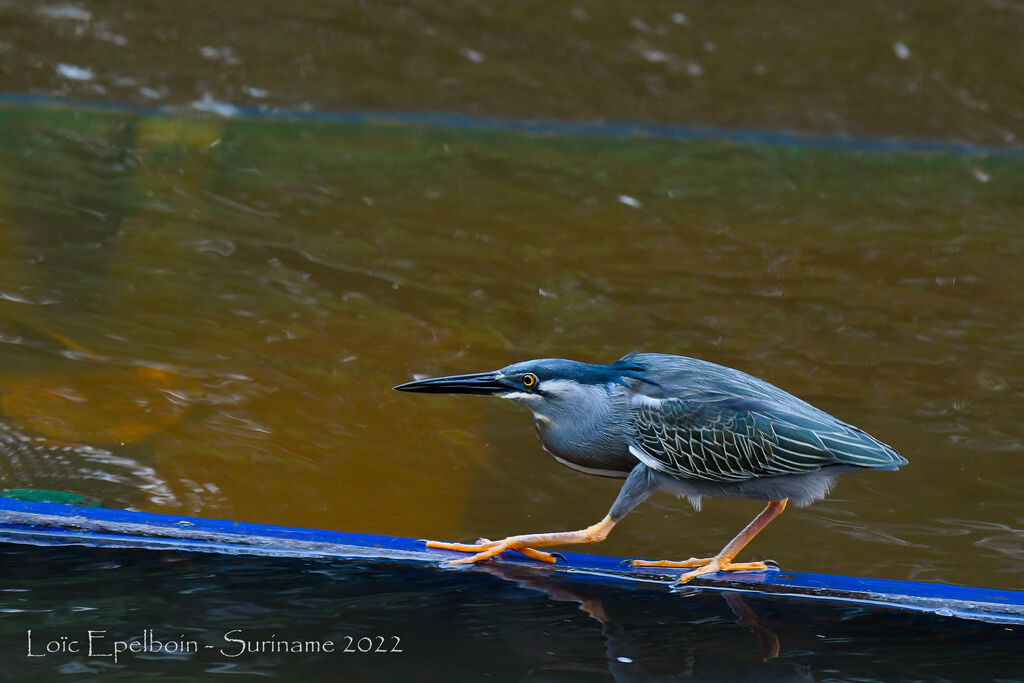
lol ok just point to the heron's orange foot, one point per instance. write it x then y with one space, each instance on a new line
486 549
692 562
720 565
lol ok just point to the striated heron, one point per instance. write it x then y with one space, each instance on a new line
669 422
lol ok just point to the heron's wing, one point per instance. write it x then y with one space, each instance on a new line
733 440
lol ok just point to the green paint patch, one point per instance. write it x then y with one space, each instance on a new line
45 496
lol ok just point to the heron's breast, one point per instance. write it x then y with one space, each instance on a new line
604 454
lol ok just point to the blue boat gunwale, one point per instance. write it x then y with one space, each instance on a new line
52 524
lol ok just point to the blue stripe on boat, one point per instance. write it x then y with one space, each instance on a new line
55 524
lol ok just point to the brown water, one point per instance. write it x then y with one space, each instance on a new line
236 315
207 315
919 68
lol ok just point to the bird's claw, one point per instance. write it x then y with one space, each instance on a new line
719 565
692 562
485 549
703 565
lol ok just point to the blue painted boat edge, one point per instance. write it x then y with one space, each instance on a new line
549 127
57 524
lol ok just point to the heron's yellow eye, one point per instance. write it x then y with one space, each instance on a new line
529 380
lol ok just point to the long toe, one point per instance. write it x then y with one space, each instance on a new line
551 558
462 547
692 562
490 552
484 549
717 565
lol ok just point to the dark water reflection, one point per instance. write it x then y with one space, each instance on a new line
453 624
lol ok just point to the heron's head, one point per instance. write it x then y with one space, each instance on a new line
542 384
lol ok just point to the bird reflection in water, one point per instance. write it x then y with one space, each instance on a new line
627 656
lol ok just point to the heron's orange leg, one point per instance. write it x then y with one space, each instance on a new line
524 543
722 562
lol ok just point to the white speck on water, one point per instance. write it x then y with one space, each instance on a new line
630 201
150 93
980 175
638 24
255 92
472 55
710 46
208 104
901 49
66 12
114 38
75 73
624 660
578 13
4 296
367 201
694 69
217 246
656 56
680 18
547 293
225 55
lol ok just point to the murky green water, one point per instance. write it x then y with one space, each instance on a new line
206 315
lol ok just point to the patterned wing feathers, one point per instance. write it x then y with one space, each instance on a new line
729 441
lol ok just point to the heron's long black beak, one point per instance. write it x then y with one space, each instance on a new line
484 383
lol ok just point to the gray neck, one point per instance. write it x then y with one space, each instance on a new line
585 426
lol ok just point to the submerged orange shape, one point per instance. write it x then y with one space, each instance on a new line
116 406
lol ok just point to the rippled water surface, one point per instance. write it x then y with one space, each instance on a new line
203 312
217 310
918 68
